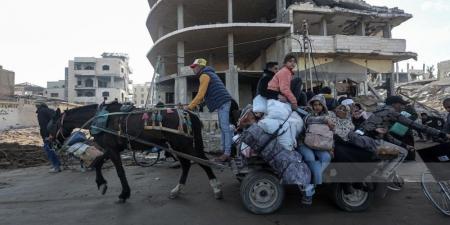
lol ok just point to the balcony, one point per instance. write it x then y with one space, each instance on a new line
82 87
84 72
370 46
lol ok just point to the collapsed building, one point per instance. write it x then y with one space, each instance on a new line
349 40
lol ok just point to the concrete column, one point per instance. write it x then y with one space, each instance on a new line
280 9
180 81
408 73
391 87
396 73
323 27
180 57
180 16
162 67
181 90
387 31
231 77
230 11
361 29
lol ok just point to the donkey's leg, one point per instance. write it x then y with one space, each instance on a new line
99 179
117 161
185 166
213 182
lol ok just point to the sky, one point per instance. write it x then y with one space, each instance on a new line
38 38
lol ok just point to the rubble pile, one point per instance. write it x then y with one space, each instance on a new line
20 148
431 94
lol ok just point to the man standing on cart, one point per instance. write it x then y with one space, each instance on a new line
213 92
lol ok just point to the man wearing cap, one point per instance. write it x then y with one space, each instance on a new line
213 92
44 115
377 127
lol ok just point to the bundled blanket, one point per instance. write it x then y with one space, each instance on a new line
288 165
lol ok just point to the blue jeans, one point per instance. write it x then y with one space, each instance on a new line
51 154
224 123
317 166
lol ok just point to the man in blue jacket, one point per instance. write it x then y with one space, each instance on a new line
213 92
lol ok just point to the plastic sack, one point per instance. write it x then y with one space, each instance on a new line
288 133
278 110
259 104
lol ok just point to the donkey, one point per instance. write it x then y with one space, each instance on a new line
133 124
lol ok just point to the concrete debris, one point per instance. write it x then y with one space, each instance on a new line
431 95
352 5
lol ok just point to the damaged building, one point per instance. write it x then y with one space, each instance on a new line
90 79
6 82
349 40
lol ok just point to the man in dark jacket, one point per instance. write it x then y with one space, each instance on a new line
212 90
44 115
378 126
269 72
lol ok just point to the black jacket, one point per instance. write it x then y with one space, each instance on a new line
44 115
263 83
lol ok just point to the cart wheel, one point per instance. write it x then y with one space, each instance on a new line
438 192
262 192
146 158
358 201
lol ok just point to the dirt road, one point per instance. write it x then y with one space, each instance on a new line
32 196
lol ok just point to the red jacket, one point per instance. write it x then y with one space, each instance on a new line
281 82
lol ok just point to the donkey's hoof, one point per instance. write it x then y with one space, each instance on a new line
103 188
121 201
218 195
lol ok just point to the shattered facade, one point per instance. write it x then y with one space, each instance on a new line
6 82
349 40
444 70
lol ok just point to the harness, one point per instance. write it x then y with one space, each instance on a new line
60 131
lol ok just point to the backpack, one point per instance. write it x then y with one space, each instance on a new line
319 137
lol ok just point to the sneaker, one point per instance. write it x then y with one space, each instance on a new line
387 153
397 183
306 200
54 170
394 186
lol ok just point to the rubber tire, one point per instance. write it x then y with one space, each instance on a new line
145 164
247 184
337 195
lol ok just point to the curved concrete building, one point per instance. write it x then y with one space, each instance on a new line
349 39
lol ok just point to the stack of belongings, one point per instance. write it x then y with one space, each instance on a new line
274 138
78 148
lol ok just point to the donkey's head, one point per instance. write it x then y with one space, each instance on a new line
63 123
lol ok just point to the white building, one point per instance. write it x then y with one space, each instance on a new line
140 93
56 90
91 79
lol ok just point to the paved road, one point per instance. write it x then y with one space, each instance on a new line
32 196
